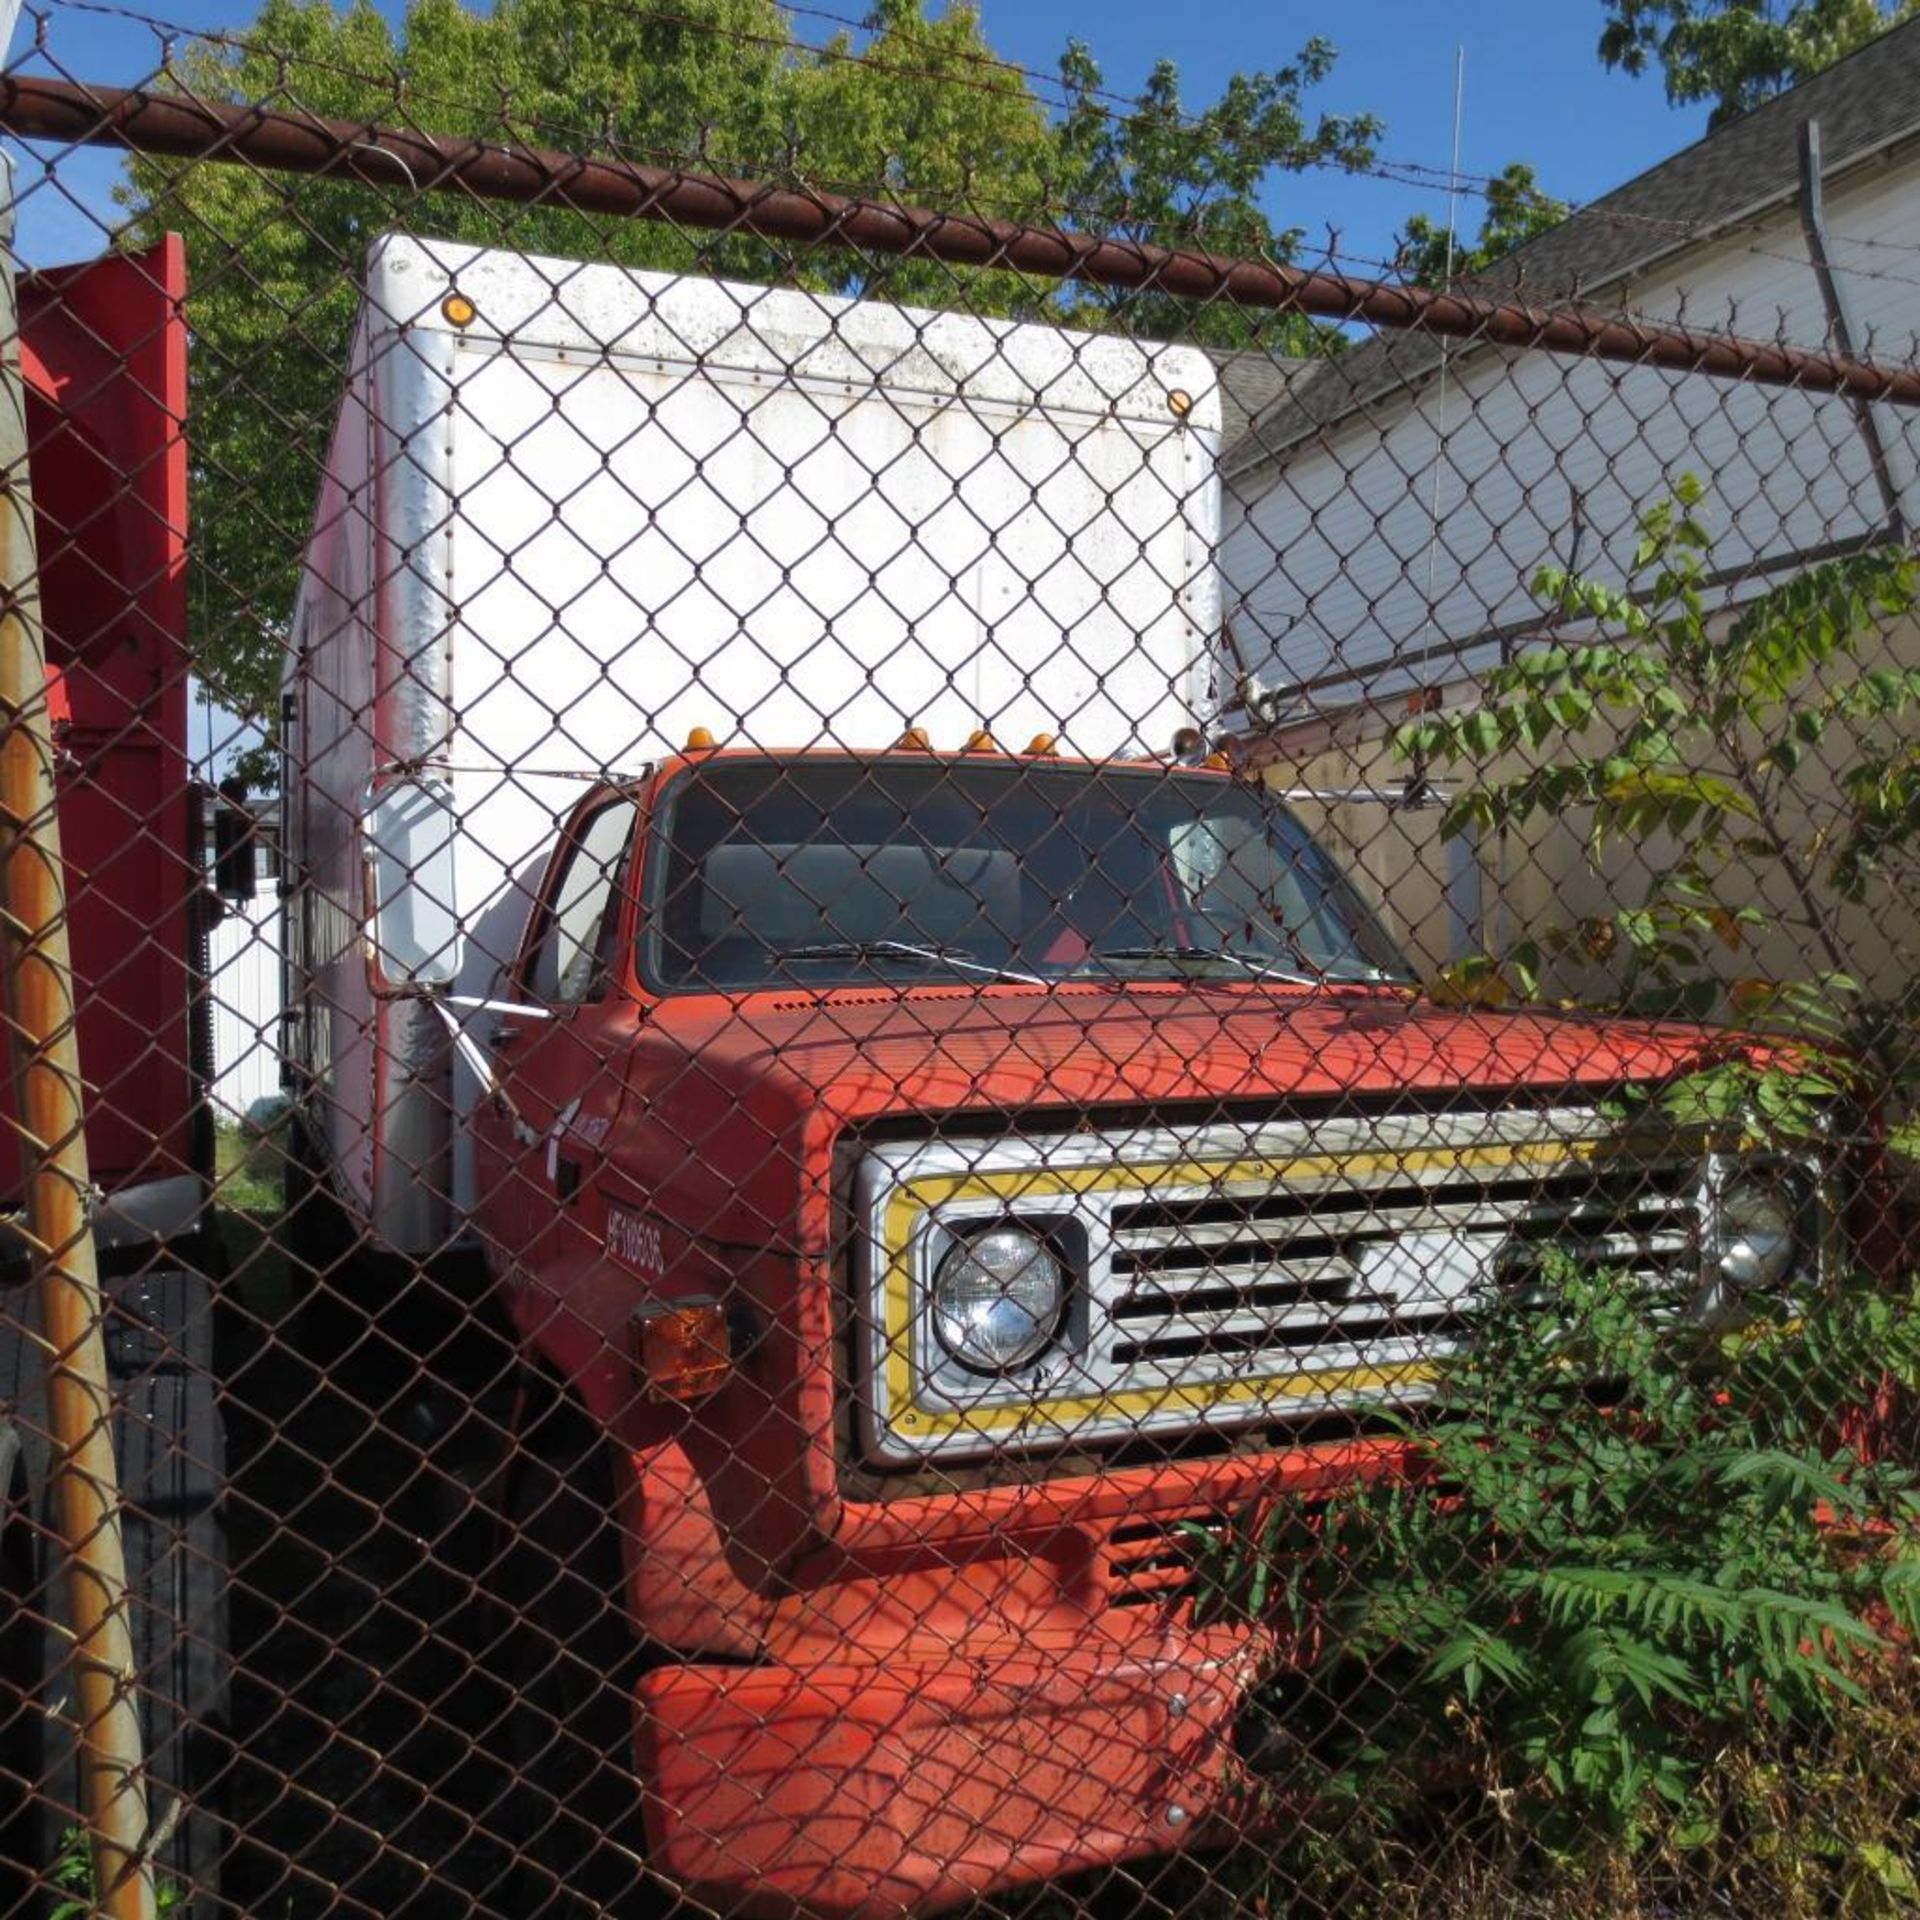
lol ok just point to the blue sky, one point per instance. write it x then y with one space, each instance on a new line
1535 91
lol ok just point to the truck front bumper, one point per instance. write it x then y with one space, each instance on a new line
856 1792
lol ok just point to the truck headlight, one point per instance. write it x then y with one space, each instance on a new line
997 1297
1756 1240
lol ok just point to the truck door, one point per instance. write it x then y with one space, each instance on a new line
562 1060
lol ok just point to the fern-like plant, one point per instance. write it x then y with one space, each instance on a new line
1636 1544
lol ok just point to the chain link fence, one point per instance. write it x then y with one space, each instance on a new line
876 1055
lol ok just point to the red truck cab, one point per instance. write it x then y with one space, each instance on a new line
947 1180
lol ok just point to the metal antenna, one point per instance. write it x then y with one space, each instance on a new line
1440 419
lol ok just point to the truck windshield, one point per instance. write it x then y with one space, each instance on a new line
823 872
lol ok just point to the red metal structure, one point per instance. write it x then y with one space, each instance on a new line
104 355
104 349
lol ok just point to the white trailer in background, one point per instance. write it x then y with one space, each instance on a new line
572 513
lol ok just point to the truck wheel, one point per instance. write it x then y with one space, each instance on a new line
571 1661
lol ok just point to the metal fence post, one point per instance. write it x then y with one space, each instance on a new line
38 991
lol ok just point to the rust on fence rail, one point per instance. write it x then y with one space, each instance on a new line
190 129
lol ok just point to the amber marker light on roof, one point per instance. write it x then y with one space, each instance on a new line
980 741
458 311
700 740
680 1351
1041 745
914 740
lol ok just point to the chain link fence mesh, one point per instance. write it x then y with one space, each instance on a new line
934 1054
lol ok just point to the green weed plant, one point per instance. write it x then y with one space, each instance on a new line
1644 1577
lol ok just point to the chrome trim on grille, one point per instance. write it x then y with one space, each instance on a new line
1235 1274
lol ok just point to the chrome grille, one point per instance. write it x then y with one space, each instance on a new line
1231 1274
1287 1275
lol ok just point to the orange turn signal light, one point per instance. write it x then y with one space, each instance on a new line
680 1349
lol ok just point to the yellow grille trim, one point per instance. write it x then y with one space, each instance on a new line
916 1198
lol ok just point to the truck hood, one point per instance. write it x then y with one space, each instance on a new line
858 1054
741 1101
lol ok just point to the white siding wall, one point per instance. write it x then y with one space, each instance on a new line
244 986
1423 519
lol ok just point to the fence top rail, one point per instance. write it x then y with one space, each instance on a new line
183 127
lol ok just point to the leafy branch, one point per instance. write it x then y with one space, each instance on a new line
1745 755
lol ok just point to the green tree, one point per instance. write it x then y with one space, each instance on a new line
1516 210
275 259
1738 53
923 113
915 108
1164 176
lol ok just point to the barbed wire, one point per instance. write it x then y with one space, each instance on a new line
1329 250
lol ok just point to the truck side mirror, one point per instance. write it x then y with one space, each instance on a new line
408 832
234 842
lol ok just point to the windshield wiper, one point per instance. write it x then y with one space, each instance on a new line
1304 969
1366 977
908 950
1260 969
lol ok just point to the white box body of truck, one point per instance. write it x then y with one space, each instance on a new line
571 513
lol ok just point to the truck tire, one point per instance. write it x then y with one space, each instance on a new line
570 1659
170 1445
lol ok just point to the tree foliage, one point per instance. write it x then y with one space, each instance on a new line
1161 173
1516 210
1738 53
915 108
